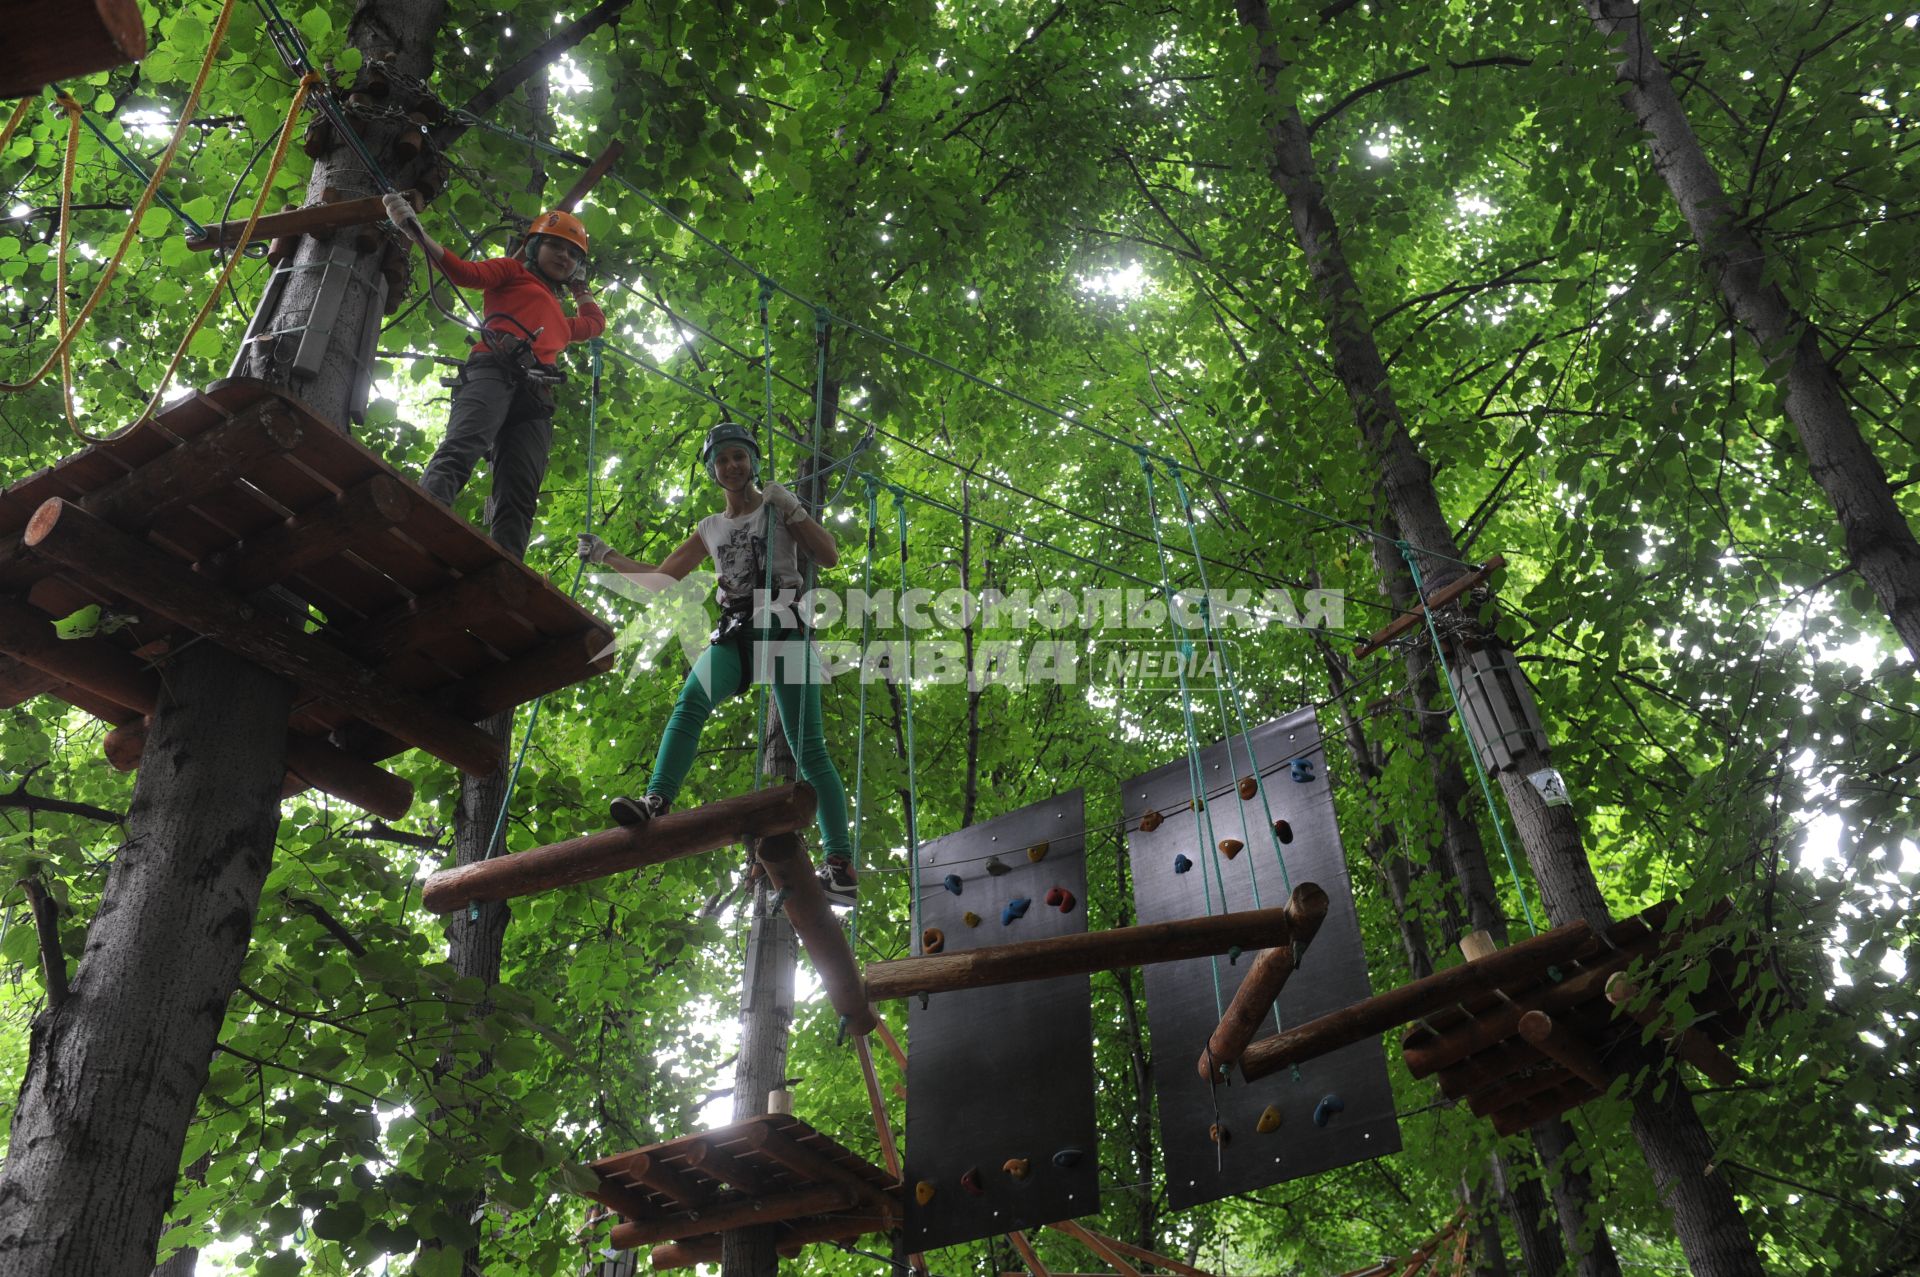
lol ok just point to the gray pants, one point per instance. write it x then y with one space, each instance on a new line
509 420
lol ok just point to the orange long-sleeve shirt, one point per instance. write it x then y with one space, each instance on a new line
511 288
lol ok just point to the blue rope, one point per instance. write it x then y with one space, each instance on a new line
906 689
860 748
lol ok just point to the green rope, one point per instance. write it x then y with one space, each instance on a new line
860 747
1473 743
495 842
1196 778
906 686
766 359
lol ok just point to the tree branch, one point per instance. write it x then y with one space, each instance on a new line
333 925
19 799
525 69
46 922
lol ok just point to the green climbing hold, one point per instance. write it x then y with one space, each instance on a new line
971 918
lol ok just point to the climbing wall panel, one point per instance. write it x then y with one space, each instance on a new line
1340 1107
1003 1073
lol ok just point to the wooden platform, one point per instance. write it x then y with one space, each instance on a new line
418 624
1548 1040
767 1170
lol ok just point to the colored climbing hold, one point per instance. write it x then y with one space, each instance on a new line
1233 954
1053 897
1230 847
1017 1167
1329 1105
1066 901
971 1182
1067 1157
952 883
1219 1134
995 867
932 940
1038 852
1016 908
1269 1120
971 918
1302 770
923 1192
1181 864
1248 788
1198 804
1150 821
1283 831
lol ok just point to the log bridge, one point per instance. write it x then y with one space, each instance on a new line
236 516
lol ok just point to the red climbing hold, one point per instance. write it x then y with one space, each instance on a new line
1150 821
971 1182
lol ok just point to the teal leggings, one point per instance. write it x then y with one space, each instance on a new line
716 677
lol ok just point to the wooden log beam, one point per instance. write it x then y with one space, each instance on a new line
1565 1047
716 1163
311 220
379 501
1078 954
1021 1244
789 870
794 1237
1569 1094
53 40
1395 1007
1509 1091
809 1165
662 1177
67 534
749 1212
20 682
311 764
1094 1243
1690 1044
1438 599
674 836
93 664
591 178
1306 910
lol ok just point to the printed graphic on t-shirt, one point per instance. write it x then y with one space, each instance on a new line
738 556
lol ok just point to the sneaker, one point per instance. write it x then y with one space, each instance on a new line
837 881
633 812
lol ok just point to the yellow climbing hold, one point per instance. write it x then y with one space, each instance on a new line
1150 821
1230 847
1248 788
971 918
1038 852
923 1192
1017 1167
1269 1120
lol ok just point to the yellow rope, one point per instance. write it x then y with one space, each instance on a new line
13 121
140 206
72 108
307 84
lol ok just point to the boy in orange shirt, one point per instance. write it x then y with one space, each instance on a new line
503 401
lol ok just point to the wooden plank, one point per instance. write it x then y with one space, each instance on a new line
1438 599
813 921
792 1237
1306 910
749 1212
1570 1094
557 663
202 465
69 535
673 836
311 220
469 600
815 1168
316 533
591 177
707 1157
20 682
53 40
1514 1090
645 1168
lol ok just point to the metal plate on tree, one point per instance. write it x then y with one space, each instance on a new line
1003 1073
1339 1108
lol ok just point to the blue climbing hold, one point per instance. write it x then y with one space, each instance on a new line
1067 1157
1181 864
1016 908
1302 770
1233 954
1329 1105
952 883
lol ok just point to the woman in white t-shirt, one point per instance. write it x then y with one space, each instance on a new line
756 522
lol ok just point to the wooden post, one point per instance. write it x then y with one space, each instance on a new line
1098 1246
789 870
749 1212
1020 1243
674 836
49 40
1077 954
1565 1047
1398 1006
67 534
1476 945
1690 1044
1306 910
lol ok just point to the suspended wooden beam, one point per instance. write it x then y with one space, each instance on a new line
791 873
1434 602
1395 1007
1565 1047
1306 910
154 580
1078 954
1021 1244
121 691
591 177
1098 1246
1690 1044
315 219
1146 1256
748 1212
1501 1022
673 836
53 40
22 682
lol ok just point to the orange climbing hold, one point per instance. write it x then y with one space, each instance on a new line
923 1192
1230 847
1150 821
932 940
1018 1167
1248 788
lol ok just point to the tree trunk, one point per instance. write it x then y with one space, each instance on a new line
1676 1146
114 1074
1880 542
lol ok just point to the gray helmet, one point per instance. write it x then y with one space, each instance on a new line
725 433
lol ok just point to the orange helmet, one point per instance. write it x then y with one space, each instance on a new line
560 225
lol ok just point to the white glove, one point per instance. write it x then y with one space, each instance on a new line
592 548
399 210
784 503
